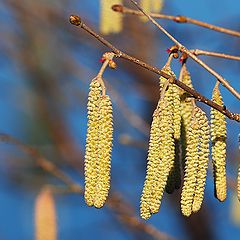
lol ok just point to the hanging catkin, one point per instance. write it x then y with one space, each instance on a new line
45 216
167 150
110 21
218 137
204 137
104 151
91 155
153 161
191 162
186 107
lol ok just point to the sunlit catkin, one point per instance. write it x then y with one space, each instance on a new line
218 137
204 138
91 155
157 5
191 162
186 107
153 161
45 216
104 151
110 21
167 150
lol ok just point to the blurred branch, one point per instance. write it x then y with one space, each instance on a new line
76 20
115 202
215 54
178 19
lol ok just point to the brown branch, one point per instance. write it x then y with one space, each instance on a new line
178 19
198 52
115 202
183 49
76 20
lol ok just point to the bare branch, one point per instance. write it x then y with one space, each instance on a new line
178 19
76 20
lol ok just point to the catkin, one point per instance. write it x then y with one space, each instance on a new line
110 21
186 107
167 149
153 161
91 155
104 151
204 134
238 184
45 216
218 137
157 5
191 161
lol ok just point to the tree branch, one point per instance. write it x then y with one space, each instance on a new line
76 20
114 202
183 49
178 19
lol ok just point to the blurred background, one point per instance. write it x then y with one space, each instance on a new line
46 65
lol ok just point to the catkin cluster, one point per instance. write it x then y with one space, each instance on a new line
98 146
110 21
161 153
196 162
218 137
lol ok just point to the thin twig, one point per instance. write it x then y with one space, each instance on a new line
177 19
76 20
198 52
183 49
115 202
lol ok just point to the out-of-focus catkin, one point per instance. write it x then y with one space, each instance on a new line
204 138
191 162
45 216
91 154
218 137
157 5
110 21
104 151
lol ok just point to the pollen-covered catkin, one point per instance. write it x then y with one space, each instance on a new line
191 161
91 155
167 143
204 138
104 151
110 22
153 161
218 137
186 107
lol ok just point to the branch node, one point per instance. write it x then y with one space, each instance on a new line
117 8
75 20
180 19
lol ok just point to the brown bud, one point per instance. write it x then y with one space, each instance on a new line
180 19
75 20
117 8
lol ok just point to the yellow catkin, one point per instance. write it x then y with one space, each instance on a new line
146 6
167 148
45 216
186 111
105 138
91 155
202 160
218 137
191 162
235 209
157 5
110 21
174 178
153 161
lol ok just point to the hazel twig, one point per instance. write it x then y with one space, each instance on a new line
183 49
76 20
178 19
